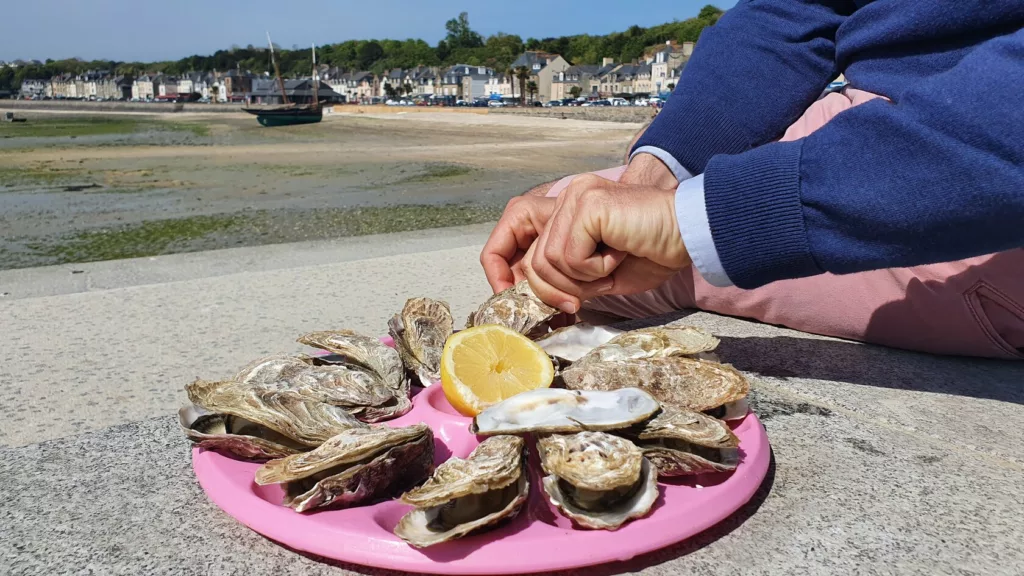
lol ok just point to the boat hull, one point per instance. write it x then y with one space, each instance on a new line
271 118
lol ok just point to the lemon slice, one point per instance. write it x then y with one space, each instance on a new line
484 365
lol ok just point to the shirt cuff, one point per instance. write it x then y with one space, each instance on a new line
667 159
692 217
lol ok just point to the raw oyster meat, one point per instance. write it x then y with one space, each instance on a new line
464 496
559 410
517 308
358 390
689 383
596 479
681 442
355 467
657 342
256 422
571 343
419 332
372 354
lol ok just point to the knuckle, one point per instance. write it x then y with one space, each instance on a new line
513 202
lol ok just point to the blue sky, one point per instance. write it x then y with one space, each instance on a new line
145 30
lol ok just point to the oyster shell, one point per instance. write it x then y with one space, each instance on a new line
517 308
689 383
559 410
259 422
419 332
372 354
574 342
355 467
657 342
349 386
681 442
464 496
236 436
596 479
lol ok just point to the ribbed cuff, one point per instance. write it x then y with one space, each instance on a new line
692 131
756 215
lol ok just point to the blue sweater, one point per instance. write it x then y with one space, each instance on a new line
937 175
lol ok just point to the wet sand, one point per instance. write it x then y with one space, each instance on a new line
142 185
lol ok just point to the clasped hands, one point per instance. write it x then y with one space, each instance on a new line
598 237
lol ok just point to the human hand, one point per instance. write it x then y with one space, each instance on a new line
647 170
603 237
519 226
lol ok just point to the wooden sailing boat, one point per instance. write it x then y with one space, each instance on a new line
288 113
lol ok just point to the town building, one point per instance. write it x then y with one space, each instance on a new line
574 77
268 91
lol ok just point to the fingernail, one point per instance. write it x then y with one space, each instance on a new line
568 307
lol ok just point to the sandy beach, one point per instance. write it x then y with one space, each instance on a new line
79 187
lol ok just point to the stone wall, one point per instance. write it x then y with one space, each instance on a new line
86 106
638 114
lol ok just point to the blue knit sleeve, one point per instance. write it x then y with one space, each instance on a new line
751 75
934 177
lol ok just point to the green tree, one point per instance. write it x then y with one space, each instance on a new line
522 74
671 86
460 35
575 91
369 53
531 88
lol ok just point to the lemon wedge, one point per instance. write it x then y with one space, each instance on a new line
484 365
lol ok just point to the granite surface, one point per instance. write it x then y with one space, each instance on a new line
884 462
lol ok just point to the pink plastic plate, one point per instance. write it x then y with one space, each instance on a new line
537 540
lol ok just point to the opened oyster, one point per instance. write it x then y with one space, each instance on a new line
355 467
557 410
420 332
464 496
681 442
596 479
657 342
371 354
255 422
571 343
689 383
358 390
517 308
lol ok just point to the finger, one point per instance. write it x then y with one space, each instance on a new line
562 232
517 267
633 275
515 231
546 268
549 294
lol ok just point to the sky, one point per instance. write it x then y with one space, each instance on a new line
149 30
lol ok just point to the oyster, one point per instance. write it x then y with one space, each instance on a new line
558 410
464 496
517 308
372 354
419 332
681 442
574 342
657 342
257 422
596 479
355 467
352 387
699 385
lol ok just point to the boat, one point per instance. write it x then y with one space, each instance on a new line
288 113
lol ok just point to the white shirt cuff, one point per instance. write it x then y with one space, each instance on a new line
692 217
677 169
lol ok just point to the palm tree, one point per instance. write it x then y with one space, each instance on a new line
511 73
523 74
531 87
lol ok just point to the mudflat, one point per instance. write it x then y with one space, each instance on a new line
78 188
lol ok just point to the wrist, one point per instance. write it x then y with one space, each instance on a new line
648 170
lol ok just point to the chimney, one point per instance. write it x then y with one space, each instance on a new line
687 48
607 62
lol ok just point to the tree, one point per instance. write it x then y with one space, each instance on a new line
511 74
531 87
407 88
523 74
460 35
369 53
390 91
575 91
671 86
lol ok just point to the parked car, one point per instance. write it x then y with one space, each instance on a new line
552 103
496 104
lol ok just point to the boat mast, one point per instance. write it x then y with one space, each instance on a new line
277 71
316 81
